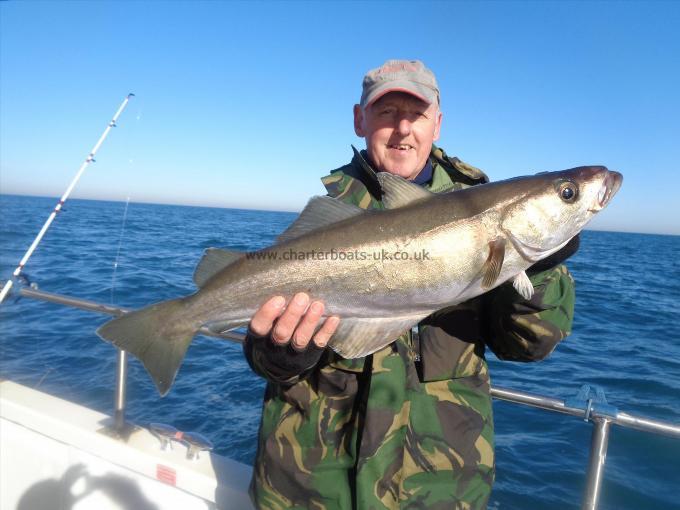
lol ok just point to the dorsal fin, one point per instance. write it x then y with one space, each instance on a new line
212 262
398 192
319 212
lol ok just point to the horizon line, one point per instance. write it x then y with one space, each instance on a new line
276 210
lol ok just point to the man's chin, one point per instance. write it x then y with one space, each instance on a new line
406 173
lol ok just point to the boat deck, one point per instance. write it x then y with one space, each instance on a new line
57 454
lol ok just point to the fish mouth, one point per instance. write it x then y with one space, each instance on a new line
610 185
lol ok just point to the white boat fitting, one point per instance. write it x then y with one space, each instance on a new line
55 454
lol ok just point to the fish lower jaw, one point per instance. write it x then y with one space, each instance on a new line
596 208
608 189
527 252
530 253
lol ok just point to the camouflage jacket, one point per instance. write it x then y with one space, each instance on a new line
409 426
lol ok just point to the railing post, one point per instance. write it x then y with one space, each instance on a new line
121 386
598 455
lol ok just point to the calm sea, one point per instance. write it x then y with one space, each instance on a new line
626 339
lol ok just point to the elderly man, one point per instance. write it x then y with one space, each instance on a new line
409 426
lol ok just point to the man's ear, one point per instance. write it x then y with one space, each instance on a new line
358 121
437 126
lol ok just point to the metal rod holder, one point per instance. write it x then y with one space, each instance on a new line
598 456
121 390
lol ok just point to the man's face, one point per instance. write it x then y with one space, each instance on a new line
399 130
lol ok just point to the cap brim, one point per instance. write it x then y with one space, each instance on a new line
421 92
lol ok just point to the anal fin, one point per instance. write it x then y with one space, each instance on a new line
359 337
218 327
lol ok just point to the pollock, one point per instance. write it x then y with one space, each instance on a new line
380 271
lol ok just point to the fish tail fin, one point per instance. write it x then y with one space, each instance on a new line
157 335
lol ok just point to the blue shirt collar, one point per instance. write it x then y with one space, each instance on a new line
425 174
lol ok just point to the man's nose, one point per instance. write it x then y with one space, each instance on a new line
403 126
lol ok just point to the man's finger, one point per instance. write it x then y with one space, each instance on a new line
326 331
263 320
305 329
289 320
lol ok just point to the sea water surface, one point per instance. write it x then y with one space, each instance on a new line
626 339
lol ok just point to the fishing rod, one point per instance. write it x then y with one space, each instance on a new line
89 159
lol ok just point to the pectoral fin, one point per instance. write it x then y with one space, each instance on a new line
494 263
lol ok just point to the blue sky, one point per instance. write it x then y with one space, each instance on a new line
248 104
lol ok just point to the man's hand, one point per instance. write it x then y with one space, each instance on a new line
295 323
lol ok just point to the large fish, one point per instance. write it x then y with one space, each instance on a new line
380 271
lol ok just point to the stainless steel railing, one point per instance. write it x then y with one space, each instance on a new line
591 407
601 419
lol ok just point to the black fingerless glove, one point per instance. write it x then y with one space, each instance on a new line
280 363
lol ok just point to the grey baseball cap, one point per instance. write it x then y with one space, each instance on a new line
410 76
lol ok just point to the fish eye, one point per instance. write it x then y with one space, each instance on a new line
568 191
